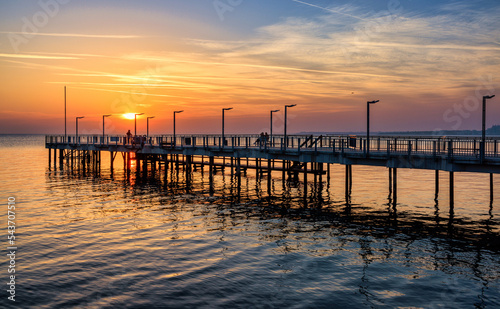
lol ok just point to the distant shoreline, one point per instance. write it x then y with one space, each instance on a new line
491 132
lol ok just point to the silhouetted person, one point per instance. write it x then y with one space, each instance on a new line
129 135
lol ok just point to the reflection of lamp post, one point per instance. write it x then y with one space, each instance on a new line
287 106
135 123
224 109
271 129
77 127
103 116
176 112
147 125
483 136
368 124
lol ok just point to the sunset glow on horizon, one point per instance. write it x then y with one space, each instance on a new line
429 63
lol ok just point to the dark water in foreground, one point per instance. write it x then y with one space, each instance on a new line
150 242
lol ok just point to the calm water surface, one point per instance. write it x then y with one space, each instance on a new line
119 241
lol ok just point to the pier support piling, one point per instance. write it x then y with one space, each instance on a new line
128 162
452 189
350 179
436 185
61 158
269 177
394 186
348 183
111 161
328 173
305 184
491 187
390 182
211 175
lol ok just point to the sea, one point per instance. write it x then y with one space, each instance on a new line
112 239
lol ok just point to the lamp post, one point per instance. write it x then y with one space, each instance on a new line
76 141
176 112
103 116
65 131
223 110
368 124
271 129
135 123
147 125
286 107
483 136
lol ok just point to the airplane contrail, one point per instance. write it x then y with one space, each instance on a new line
329 10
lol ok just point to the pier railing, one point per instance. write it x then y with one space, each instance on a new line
436 146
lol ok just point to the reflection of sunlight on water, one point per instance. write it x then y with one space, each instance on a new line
129 240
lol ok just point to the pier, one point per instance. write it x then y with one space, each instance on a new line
294 157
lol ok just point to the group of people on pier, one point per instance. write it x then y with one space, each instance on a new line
263 139
136 139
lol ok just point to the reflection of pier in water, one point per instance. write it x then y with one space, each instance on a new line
295 217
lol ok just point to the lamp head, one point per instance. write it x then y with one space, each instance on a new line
138 114
373 102
291 105
177 112
80 117
151 117
106 115
227 108
488 96
274 111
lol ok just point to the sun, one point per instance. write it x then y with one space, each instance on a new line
129 116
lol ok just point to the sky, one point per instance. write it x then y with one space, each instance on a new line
428 62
